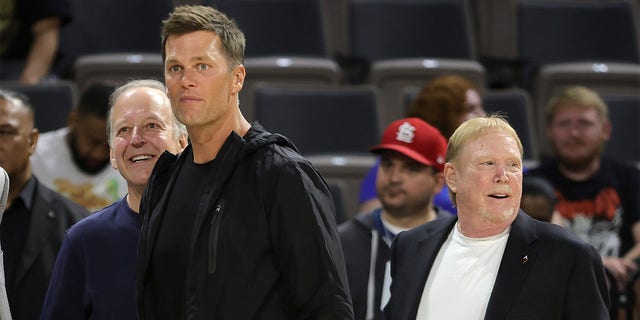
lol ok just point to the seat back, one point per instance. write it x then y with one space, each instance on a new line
624 113
278 27
320 120
393 78
516 106
117 68
390 29
575 31
51 101
347 172
111 26
605 78
285 71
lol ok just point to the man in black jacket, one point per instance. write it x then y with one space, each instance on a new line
36 217
238 226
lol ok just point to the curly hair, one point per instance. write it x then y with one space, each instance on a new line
441 103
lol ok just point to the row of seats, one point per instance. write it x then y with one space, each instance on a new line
398 44
374 30
345 119
335 126
392 79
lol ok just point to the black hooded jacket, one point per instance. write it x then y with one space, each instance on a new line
264 243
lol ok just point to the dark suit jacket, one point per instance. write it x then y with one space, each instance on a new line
52 214
562 278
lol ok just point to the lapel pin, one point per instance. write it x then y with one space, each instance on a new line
525 259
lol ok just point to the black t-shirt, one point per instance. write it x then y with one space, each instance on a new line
602 209
171 252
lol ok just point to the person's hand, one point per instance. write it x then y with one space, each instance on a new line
621 269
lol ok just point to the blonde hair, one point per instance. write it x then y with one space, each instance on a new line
473 129
578 95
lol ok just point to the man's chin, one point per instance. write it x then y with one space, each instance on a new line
92 168
576 163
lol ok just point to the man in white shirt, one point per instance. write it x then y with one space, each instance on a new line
74 160
492 261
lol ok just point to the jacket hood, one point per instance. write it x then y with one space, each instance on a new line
258 137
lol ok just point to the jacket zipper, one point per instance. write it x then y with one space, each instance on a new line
213 237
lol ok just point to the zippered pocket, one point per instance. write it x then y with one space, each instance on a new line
213 237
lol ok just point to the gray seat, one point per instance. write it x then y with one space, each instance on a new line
111 26
285 71
605 78
117 68
394 77
52 101
346 171
551 32
320 120
391 29
278 27
624 113
515 105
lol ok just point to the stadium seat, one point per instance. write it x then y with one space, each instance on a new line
624 113
394 77
320 120
51 101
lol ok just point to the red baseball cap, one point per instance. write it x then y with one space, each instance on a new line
416 139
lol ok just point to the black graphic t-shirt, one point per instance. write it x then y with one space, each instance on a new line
600 210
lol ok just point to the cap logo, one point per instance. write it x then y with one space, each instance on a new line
405 133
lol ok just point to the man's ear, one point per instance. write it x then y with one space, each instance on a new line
112 159
33 140
71 118
183 142
450 176
239 72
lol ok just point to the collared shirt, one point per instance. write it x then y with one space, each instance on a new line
14 227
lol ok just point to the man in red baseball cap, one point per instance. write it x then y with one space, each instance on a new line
412 157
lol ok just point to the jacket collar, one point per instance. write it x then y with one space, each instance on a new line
516 262
42 221
518 258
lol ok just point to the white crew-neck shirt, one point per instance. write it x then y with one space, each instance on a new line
462 277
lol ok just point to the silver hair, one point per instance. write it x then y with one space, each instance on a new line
180 131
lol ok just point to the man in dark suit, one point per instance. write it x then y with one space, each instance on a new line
492 261
36 217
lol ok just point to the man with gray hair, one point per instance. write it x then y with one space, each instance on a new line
94 273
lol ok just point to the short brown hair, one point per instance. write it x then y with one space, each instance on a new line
189 18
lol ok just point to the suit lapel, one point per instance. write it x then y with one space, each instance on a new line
42 218
518 258
419 265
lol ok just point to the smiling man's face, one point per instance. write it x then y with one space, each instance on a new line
141 129
487 179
